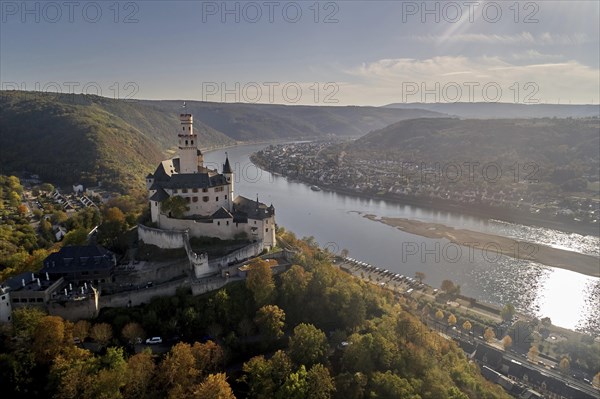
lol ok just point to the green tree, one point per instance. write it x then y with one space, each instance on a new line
260 282
258 377
507 312
270 320
319 383
176 206
308 345
389 385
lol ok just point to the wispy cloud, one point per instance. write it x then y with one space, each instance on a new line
523 38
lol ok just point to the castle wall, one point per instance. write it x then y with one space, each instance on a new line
141 296
87 308
249 251
162 238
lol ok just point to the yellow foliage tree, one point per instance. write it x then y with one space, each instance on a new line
506 341
489 335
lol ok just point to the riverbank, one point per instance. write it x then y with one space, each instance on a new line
478 210
574 261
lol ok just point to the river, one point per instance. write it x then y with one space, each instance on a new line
570 299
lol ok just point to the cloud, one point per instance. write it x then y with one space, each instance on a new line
387 80
523 38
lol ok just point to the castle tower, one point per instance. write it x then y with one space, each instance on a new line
228 173
190 157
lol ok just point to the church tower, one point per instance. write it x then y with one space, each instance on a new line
228 173
190 157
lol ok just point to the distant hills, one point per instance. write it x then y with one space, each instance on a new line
504 110
68 138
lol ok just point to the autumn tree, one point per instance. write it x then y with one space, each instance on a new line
439 315
506 341
132 331
215 386
533 353
451 320
81 329
22 209
139 375
48 338
467 326
308 345
489 335
210 357
114 215
260 282
177 372
596 380
564 365
420 276
101 333
270 320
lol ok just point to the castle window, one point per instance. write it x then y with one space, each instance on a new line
227 223
218 223
225 197
186 142
194 199
217 199
192 142
218 189
205 190
205 199
267 230
175 191
183 128
190 128
187 199
184 191
194 190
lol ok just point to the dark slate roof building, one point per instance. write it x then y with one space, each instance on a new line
81 263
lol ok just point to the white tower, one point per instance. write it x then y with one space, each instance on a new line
228 173
190 158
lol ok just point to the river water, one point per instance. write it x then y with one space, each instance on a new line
336 221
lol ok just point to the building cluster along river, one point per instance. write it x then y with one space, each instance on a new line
337 221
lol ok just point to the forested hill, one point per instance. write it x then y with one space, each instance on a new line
254 122
69 139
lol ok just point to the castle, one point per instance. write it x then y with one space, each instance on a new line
210 207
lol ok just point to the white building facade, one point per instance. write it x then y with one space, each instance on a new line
211 209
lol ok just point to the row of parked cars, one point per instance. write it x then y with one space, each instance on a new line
386 273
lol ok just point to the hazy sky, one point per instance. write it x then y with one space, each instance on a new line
306 52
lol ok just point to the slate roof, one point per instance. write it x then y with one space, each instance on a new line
250 209
167 176
79 257
160 195
222 213
227 166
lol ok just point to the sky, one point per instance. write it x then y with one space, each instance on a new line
306 52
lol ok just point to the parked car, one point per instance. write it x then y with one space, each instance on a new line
154 341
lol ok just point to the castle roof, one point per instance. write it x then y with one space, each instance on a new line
227 166
160 195
167 176
245 208
222 213
79 257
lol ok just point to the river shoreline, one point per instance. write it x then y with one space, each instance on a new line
549 256
481 211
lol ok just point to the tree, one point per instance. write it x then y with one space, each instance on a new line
489 335
308 345
101 333
448 286
270 320
139 375
420 276
344 253
22 209
178 373
506 341
451 320
439 315
533 353
132 331
47 187
260 282
467 326
176 206
564 365
390 385
209 356
48 338
258 377
596 380
115 215
81 329
215 386
507 312
319 381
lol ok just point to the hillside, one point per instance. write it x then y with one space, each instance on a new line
505 110
256 122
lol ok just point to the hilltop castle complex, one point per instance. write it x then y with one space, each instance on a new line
210 207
